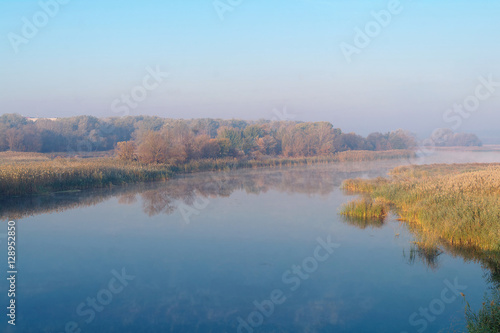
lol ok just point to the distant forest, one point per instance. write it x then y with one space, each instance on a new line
155 139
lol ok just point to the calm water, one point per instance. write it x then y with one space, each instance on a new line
211 252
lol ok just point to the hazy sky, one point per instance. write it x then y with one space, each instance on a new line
256 59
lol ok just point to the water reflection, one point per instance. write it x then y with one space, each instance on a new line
165 197
362 223
427 254
427 249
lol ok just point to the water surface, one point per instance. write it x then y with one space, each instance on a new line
206 253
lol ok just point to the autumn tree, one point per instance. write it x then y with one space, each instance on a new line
153 148
234 135
126 150
251 135
225 147
401 139
444 137
465 140
325 134
378 141
181 140
204 148
349 141
267 145
308 139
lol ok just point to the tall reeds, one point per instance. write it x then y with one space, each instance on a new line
457 203
23 178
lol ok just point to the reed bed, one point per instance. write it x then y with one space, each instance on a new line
359 185
458 203
365 208
13 156
24 178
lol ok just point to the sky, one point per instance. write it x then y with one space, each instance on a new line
364 66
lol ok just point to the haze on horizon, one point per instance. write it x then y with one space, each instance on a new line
257 59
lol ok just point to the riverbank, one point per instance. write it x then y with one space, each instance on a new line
455 203
31 173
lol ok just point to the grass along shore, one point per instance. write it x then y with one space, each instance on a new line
34 173
24 178
457 203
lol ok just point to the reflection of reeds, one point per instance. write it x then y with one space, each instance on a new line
428 254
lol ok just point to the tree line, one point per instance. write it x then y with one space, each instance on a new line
444 137
154 139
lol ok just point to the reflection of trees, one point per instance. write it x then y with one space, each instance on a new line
127 199
163 197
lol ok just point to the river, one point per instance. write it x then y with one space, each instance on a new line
261 250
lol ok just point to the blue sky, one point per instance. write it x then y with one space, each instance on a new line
263 56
